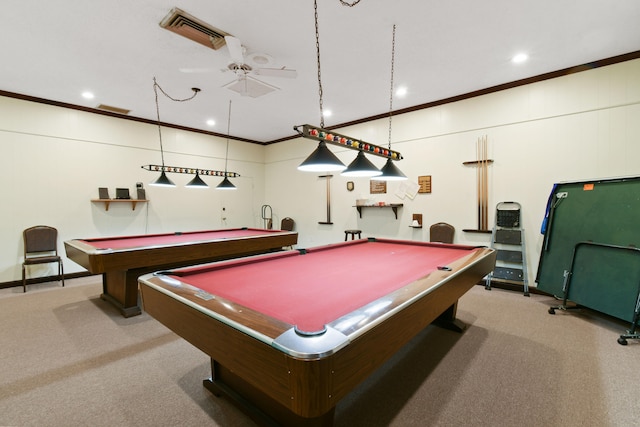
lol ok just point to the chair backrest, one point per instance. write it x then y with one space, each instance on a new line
441 232
286 224
40 238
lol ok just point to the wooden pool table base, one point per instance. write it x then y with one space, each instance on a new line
258 406
120 289
267 412
131 311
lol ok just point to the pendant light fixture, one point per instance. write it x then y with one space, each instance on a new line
163 180
226 184
391 172
197 181
323 160
361 167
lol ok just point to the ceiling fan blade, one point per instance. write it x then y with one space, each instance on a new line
196 70
276 72
235 49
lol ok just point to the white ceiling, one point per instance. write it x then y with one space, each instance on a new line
58 49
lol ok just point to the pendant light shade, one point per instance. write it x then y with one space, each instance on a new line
163 181
322 160
361 166
226 185
390 172
197 182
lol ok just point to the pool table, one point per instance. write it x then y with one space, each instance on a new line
121 260
292 333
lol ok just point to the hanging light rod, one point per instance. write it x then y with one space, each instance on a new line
319 134
189 171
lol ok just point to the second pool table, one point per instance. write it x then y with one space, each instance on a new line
121 260
290 334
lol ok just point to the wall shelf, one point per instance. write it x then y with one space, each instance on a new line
106 202
416 219
393 206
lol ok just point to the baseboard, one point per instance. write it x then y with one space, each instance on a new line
44 279
513 287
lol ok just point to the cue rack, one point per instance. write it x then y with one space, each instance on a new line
482 184
328 179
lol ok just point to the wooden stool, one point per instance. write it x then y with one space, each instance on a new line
353 234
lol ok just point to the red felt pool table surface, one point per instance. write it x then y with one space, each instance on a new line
312 291
171 239
290 334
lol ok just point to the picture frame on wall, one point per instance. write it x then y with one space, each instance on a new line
377 187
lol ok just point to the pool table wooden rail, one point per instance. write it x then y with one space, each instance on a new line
98 261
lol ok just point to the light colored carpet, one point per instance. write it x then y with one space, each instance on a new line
69 359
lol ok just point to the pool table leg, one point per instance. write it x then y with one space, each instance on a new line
120 288
447 319
257 405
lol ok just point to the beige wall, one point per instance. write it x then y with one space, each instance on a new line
54 159
577 127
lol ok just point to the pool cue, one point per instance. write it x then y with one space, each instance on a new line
328 178
484 184
328 199
479 185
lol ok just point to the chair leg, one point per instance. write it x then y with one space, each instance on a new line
61 272
24 280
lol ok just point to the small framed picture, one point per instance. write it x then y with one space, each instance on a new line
103 193
377 187
425 184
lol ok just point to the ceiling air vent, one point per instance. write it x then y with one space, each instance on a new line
194 29
111 109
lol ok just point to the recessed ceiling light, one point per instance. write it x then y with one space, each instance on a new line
520 58
402 91
211 122
87 95
327 113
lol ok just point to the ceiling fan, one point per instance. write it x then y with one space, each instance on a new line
245 84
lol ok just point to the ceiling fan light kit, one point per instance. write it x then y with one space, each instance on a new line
245 84
248 86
